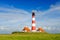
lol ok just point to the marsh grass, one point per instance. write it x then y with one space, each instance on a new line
30 36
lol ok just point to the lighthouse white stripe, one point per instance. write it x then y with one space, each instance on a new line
33 18
33 24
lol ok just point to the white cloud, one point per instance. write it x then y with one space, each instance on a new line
12 17
50 18
3 28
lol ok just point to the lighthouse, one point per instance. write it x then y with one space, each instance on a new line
33 22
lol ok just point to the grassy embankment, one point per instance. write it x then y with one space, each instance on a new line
30 36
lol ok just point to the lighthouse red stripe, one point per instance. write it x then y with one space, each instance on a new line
33 16
33 28
33 21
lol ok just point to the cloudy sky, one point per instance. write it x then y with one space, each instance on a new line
15 14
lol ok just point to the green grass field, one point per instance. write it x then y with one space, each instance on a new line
30 36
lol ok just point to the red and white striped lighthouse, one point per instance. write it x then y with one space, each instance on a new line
33 22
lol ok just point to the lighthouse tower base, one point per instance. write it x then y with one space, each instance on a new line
33 31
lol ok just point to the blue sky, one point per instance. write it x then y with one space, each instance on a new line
15 14
29 4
